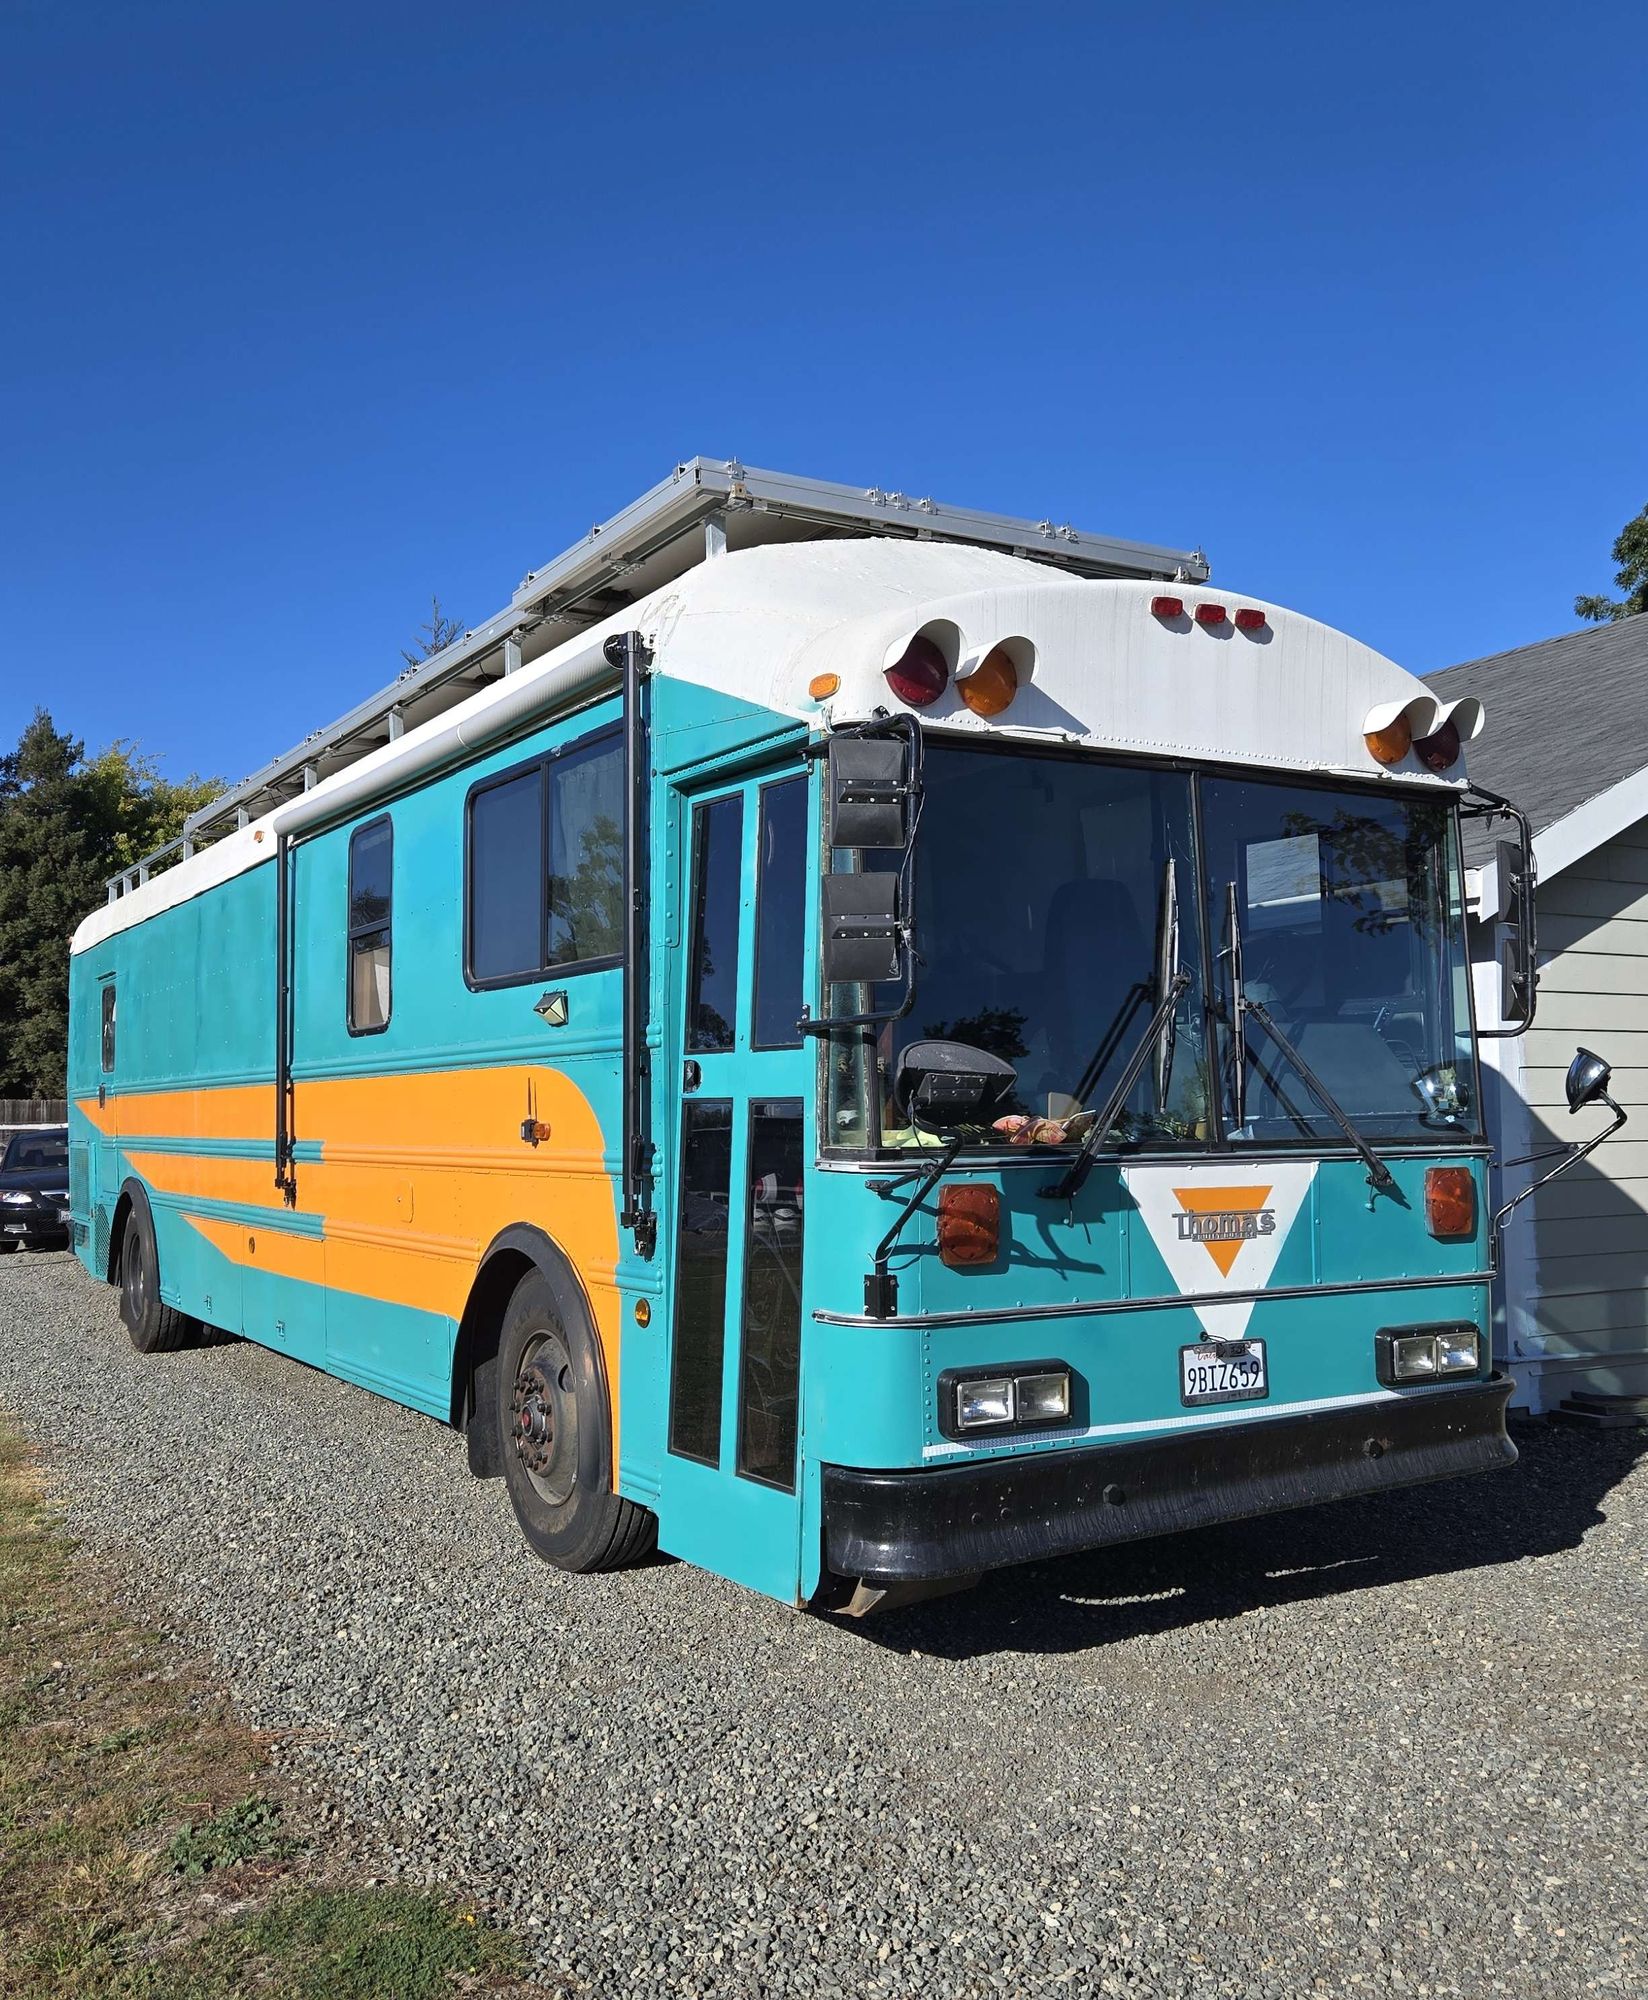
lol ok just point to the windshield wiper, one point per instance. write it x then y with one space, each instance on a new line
1161 1031
1243 1009
1071 1179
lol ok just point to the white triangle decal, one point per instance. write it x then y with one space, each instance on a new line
1221 1227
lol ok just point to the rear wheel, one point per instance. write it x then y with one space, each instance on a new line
555 1440
155 1328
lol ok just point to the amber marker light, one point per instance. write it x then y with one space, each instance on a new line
992 684
1450 1202
822 686
969 1225
1392 743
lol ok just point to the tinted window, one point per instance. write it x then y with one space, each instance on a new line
586 854
371 858
769 1369
506 873
712 996
701 1280
780 904
108 1026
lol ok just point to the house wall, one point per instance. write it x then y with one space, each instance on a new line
1575 1305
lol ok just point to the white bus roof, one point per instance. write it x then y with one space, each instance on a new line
764 623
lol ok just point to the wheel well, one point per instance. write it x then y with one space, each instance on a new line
117 1235
482 1320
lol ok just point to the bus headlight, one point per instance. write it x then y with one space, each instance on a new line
1426 1353
1031 1396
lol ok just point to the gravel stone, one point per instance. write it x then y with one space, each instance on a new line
1392 1746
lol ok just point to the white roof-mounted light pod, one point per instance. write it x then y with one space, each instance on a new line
1421 732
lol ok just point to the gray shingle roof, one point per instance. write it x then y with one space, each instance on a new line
1566 718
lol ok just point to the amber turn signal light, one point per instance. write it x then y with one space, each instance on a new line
1450 1201
1392 743
992 684
969 1225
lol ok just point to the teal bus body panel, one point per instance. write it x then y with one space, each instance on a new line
410 1161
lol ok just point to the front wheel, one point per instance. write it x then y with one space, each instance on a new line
555 1440
155 1328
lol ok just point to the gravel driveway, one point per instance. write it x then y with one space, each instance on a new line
1392 1746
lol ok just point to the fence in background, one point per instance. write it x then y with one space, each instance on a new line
34 1110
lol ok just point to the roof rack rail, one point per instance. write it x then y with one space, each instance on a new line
703 509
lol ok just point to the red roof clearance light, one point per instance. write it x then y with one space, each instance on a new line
1211 614
920 674
1167 607
1249 619
1439 750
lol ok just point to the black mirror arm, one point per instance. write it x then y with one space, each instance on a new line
1573 1155
1069 1182
881 1287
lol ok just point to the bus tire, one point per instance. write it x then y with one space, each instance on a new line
155 1328
555 1439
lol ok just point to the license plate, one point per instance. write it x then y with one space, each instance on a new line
63 1214
1228 1371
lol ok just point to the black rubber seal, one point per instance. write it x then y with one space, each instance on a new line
920 1526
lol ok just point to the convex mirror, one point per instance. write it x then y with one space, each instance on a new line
940 1085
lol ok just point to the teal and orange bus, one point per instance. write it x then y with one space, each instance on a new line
858 1042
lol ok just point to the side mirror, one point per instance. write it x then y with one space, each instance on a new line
863 929
869 791
1513 940
1588 1079
940 1085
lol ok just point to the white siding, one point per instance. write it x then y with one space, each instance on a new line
1577 1314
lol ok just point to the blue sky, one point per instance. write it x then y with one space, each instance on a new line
311 311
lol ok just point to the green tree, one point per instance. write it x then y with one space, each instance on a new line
66 825
1631 553
434 637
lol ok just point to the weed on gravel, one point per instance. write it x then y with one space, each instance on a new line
144 1849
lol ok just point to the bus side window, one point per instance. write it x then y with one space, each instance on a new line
371 917
108 1027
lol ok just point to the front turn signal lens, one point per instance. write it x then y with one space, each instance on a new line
1450 1202
969 1225
1392 743
991 685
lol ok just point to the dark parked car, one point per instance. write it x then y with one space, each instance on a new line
34 1188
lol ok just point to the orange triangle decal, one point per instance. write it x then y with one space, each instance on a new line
1235 1201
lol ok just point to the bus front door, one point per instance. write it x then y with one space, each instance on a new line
743 1131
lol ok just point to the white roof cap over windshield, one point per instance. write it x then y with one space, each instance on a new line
1096 667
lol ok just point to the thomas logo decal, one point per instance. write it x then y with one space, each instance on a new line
1216 1234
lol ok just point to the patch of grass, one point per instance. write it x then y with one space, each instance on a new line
146 1850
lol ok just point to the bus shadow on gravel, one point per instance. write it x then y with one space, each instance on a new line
1541 1506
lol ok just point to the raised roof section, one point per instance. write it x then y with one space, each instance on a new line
703 509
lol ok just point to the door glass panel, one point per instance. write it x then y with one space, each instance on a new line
770 1361
780 902
712 997
701 1280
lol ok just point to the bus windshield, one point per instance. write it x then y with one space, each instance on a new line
1046 886
1351 936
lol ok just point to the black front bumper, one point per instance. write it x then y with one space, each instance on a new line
26 1230
917 1527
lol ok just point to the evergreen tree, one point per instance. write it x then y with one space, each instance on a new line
1631 553
66 825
